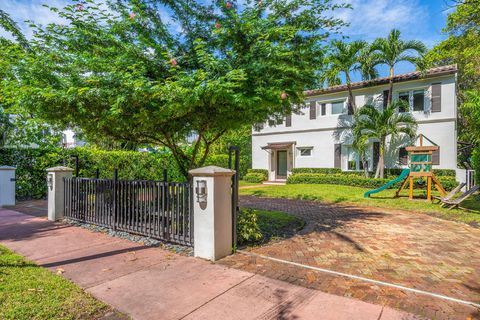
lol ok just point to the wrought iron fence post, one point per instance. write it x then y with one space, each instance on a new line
235 207
115 178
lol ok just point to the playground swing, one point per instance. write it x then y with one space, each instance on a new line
420 166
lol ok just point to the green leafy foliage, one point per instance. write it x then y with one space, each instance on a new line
254 226
462 48
392 50
248 229
371 123
317 170
264 172
476 163
32 163
359 180
254 177
125 74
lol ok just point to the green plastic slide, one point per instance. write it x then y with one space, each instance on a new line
401 177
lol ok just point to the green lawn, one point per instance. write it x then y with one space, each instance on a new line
28 291
354 195
242 183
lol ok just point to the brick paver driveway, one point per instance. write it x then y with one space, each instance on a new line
409 249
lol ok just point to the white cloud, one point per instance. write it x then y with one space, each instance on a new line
370 19
33 10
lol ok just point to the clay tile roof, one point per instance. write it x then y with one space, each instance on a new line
433 72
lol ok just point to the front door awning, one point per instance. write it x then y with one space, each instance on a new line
278 145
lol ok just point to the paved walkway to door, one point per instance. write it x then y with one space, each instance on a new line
152 283
409 249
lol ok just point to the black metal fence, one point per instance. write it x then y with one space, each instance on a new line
156 209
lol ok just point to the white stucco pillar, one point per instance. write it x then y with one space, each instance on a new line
212 212
56 189
7 186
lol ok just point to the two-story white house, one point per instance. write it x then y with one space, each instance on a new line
319 137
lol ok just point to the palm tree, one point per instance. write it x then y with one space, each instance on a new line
344 58
372 123
392 50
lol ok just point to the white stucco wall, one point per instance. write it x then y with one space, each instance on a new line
324 132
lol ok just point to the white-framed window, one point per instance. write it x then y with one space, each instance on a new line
338 107
404 96
305 151
321 109
418 100
415 99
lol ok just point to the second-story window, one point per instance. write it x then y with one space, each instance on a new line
418 100
338 107
404 96
415 100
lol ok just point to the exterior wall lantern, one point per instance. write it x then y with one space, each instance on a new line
50 181
201 191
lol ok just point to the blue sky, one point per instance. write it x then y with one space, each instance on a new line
369 19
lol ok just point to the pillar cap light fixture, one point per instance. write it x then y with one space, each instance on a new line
201 191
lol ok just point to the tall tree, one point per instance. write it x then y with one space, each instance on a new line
345 58
392 50
462 47
372 123
154 72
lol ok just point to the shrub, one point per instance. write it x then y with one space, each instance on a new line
476 163
317 170
221 160
254 177
264 172
132 165
248 229
389 172
358 181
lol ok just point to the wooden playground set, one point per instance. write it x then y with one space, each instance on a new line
421 166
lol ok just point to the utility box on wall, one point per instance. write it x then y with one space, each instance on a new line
7 186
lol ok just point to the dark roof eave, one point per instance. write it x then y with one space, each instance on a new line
431 73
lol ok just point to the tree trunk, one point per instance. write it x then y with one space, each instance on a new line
381 162
390 91
351 100
365 167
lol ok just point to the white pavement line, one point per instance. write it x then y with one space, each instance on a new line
351 276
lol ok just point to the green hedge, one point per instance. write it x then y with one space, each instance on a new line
476 163
31 165
389 172
254 177
263 172
351 180
316 170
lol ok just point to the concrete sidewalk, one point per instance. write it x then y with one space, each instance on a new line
152 283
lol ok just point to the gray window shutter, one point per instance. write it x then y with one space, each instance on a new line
436 97
313 110
436 157
288 120
403 156
385 98
323 109
337 162
376 154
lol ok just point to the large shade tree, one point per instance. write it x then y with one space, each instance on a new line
157 72
371 123
18 127
392 50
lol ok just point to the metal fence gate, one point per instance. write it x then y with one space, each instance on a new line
157 209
